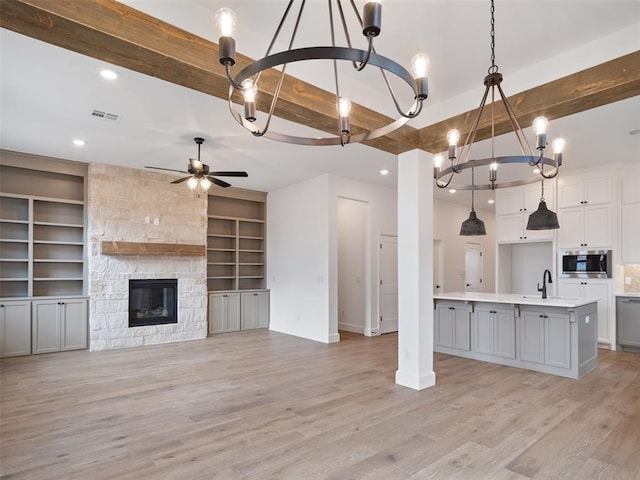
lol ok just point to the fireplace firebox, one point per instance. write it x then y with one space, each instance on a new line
152 302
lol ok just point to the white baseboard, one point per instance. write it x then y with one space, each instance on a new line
350 327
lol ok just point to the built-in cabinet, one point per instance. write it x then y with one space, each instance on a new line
59 325
513 208
585 210
602 290
42 255
452 326
631 218
15 328
236 261
494 329
233 311
546 337
628 321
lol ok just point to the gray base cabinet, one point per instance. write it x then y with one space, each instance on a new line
224 312
254 310
628 319
556 340
452 326
15 328
59 325
238 310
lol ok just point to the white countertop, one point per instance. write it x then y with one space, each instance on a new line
515 299
628 294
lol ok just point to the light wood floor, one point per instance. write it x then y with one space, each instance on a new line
263 405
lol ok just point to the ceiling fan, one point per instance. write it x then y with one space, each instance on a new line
199 173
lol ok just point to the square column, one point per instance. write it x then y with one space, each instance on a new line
415 270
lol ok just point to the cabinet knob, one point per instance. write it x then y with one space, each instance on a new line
541 316
255 294
2 306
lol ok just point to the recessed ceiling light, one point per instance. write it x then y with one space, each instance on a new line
453 190
491 200
108 74
79 142
384 171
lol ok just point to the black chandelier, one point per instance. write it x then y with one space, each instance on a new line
247 81
458 162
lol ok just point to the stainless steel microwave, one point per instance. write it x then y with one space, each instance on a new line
585 263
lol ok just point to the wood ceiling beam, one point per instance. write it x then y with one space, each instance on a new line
606 83
120 35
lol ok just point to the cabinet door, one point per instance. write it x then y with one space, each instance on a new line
600 290
570 192
224 312
505 334
254 309
628 313
461 329
509 228
483 338
598 190
508 201
557 340
73 319
532 336
46 328
631 233
598 226
631 189
15 329
570 233
444 325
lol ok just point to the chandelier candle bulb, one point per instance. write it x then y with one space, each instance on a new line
540 127
558 145
452 137
226 23
249 94
372 18
420 67
437 164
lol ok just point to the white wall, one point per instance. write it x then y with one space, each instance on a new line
298 259
352 235
381 219
447 220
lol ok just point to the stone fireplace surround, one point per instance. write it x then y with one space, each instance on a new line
122 204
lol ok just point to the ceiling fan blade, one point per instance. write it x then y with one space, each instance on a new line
180 180
229 174
220 183
167 169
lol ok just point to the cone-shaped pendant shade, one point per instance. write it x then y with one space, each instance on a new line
543 218
472 225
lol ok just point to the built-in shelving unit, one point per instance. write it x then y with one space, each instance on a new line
236 242
42 233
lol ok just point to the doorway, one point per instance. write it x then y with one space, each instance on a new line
388 286
352 251
473 267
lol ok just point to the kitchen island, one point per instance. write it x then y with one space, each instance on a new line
558 336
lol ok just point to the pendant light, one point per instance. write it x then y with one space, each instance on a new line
472 225
543 218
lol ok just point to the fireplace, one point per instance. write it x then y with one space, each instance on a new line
153 302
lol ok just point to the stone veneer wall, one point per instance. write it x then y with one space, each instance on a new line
119 200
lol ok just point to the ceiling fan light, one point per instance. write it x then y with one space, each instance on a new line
192 183
472 226
543 218
205 183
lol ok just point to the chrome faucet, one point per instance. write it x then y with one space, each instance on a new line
545 276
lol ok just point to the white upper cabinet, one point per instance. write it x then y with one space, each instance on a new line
631 218
513 207
585 189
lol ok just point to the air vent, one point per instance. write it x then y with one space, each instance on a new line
106 116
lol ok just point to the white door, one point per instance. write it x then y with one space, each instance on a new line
473 267
437 267
388 288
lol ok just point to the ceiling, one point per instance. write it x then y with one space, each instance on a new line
48 93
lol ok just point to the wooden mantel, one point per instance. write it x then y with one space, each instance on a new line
144 248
